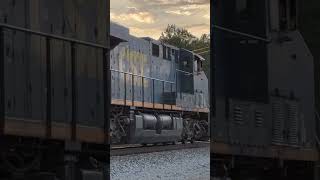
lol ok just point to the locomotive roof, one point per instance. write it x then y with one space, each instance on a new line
200 57
159 42
119 31
123 33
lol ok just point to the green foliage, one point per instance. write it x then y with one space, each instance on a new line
182 38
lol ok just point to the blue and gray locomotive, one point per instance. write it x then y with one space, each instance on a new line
159 92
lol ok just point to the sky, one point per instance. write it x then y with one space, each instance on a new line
151 17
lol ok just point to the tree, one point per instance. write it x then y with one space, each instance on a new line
182 38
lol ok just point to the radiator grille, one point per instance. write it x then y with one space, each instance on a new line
278 117
238 118
258 117
293 124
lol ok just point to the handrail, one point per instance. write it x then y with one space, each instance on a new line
146 77
241 33
185 72
7 26
163 82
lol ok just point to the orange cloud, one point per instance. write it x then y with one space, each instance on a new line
133 14
179 12
151 17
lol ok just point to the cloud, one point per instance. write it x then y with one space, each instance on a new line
207 16
193 6
146 32
171 2
133 14
196 25
179 12
187 10
143 17
151 17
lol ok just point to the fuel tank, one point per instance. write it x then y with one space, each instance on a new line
155 128
166 122
149 121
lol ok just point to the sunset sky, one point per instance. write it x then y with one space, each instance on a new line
151 17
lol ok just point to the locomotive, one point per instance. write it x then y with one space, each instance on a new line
54 96
263 116
159 92
56 81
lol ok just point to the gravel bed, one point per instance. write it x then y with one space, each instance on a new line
186 164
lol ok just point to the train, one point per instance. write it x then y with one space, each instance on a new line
159 91
72 84
265 123
54 102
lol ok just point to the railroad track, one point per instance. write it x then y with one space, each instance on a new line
139 149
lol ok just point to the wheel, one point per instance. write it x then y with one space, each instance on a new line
20 160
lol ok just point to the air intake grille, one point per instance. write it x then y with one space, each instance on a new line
238 115
293 124
258 117
278 117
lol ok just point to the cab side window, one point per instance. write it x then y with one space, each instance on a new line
287 15
244 9
164 52
155 50
200 64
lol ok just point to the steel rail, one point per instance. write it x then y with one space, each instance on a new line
139 149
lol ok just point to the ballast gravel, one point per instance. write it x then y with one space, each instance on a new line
186 164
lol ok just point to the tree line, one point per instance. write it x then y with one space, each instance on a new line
182 38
